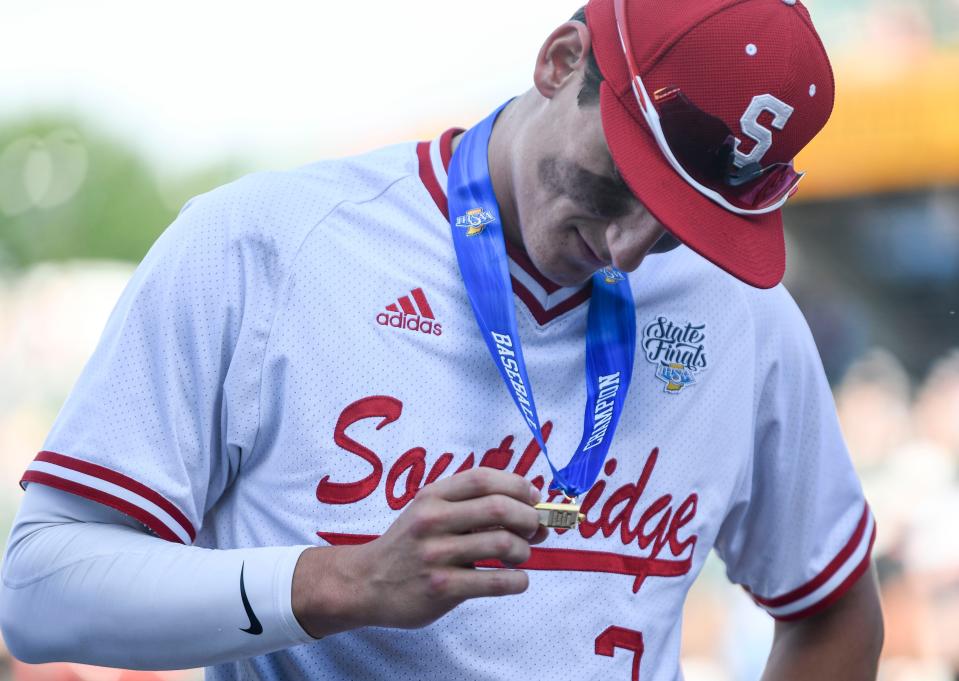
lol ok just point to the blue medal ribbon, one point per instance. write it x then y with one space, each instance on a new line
611 323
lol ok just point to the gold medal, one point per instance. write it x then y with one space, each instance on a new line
560 516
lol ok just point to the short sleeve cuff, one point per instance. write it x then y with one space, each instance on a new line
114 489
829 585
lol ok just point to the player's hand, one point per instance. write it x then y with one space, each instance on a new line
422 566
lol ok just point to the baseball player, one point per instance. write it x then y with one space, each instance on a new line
312 439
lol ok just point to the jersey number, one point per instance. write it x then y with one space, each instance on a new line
762 136
620 637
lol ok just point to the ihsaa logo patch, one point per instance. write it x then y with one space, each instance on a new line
611 275
678 350
475 221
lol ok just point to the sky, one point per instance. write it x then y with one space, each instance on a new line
292 81
288 82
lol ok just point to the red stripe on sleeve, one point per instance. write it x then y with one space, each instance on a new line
121 480
122 505
828 572
839 591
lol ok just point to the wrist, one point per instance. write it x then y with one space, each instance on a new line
327 591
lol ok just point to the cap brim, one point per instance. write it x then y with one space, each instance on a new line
751 248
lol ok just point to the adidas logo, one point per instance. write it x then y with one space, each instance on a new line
412 313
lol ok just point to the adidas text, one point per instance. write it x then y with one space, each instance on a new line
399 320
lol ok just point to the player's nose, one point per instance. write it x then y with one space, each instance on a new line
631 238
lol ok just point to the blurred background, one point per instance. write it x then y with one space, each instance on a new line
113 114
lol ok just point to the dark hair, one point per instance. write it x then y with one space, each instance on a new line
589 93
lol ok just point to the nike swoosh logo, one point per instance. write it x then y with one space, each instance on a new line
255 627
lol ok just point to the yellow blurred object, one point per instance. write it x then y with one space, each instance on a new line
895 126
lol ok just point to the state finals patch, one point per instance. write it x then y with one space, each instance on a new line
677 350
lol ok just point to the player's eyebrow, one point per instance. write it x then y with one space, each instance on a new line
601 195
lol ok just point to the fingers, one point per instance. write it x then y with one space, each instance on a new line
458 584
496 510
469 548
541 535
481 482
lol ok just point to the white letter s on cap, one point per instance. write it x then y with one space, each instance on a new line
763 136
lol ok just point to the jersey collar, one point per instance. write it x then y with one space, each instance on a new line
543 298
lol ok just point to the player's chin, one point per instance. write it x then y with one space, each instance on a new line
567 270
572 274
579 263
563 265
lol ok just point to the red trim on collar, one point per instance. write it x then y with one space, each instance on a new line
429 179
540 313
520 258
446 146
438 193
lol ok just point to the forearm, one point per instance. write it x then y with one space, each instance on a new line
843 642
100 591
108 594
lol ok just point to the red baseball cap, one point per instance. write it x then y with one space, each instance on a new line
727 57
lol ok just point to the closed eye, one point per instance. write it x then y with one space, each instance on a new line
604 197
601 196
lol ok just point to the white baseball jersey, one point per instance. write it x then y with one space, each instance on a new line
297 356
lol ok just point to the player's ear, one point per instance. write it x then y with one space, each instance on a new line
562 58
